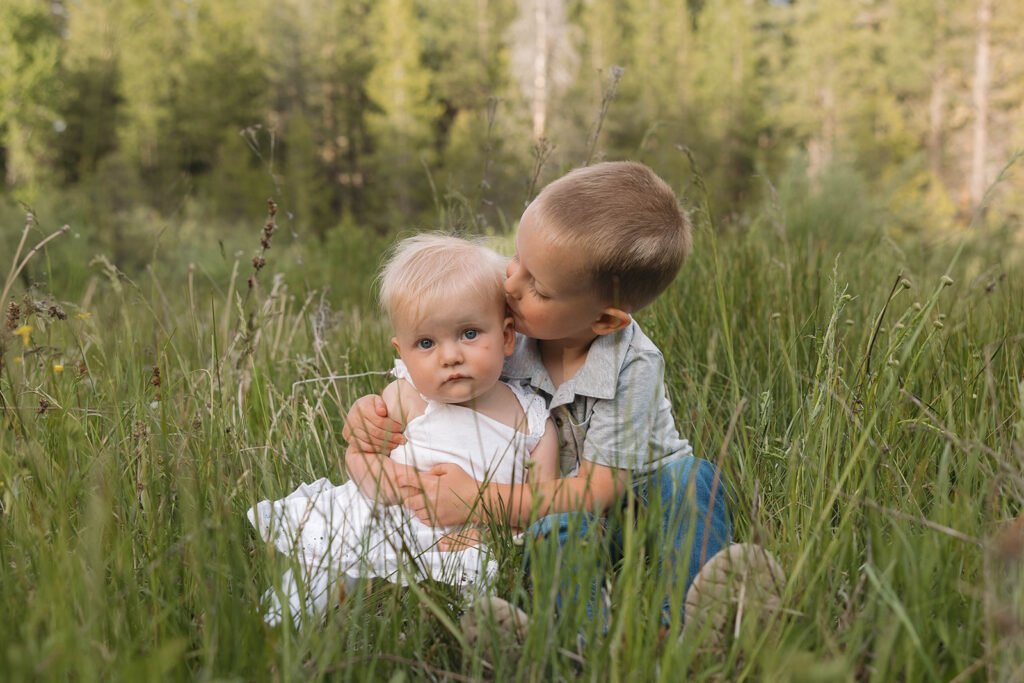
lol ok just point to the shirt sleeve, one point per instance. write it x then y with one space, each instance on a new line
635 430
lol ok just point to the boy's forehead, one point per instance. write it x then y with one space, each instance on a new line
549 256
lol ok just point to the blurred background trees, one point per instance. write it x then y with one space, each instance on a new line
388 113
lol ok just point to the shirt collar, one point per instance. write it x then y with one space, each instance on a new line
597 378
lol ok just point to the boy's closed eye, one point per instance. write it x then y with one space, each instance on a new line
536 292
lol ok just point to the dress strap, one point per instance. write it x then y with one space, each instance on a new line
535 409
402 372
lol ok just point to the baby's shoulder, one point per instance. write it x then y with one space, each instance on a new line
403 400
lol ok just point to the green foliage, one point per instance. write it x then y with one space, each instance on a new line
29 50
395 112
875 448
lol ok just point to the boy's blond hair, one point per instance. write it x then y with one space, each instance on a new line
628 223
423 269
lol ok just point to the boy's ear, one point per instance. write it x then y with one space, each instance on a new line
394 342
611 320
508 336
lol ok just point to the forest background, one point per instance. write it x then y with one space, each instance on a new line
379 117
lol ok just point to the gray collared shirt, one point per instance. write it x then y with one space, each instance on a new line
614 411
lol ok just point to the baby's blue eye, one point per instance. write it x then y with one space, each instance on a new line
470 334
424 344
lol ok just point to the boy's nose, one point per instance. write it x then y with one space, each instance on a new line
511 281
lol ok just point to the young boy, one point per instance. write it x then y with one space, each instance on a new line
595 246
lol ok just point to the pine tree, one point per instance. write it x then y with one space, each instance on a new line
403 111
30 53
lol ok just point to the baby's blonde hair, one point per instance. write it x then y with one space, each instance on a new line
628 223
428 266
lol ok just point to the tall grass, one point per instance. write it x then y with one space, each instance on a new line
875 398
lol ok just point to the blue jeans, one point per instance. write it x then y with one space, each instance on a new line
687 494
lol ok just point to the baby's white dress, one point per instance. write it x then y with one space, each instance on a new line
338 534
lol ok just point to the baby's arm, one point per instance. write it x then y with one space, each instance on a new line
375 472
369 426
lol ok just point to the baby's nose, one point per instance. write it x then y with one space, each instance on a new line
451 354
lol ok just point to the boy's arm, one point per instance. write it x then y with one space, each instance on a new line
636 423
375 472
447 495
543 466
544 456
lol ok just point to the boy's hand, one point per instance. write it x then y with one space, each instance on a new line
461 540
444 496
369 428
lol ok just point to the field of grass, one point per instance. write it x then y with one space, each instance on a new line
863 392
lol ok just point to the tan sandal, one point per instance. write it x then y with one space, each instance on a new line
743 582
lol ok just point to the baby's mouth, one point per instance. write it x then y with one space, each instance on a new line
456 377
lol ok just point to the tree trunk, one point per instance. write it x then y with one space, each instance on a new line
936 101
819 149
980 100
483 33
540 68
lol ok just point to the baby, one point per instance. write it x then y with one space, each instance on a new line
445 299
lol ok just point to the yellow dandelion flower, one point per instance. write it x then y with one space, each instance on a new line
58 367
83 316
25 331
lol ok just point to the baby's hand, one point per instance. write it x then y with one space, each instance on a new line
369 428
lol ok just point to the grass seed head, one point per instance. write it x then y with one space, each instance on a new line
13 313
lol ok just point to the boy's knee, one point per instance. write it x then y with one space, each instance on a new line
680 475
